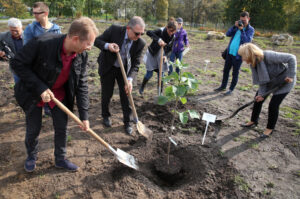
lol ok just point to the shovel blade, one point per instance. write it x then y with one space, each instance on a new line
143 130
126 159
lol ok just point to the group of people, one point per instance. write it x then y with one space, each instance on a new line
270 70
54 65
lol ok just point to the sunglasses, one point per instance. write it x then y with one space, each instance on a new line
137 33
38 13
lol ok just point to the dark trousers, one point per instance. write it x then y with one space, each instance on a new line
33 128
231 62
107 89
273 110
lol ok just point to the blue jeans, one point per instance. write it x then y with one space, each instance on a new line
230 62
149 74
16 78
173 57
33 128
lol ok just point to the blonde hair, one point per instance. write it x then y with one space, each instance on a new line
82 27
251 53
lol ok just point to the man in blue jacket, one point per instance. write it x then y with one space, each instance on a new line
42 24
242 32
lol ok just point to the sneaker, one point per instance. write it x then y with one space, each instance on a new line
66 164
219 89
128 128
30 165
228 92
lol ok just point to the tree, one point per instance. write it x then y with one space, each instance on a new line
162 10
14 8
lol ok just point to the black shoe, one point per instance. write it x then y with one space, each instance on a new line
219 89
128 128
263 136
249 125
106 122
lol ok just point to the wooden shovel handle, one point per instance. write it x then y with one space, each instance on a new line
160 68
126 83
78 121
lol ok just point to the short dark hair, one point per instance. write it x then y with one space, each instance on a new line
81 27
172 24
245 14
44 7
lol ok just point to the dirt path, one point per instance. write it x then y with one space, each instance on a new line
233 163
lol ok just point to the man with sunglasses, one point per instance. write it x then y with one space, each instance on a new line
42 24
126 40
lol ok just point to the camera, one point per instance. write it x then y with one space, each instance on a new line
240 23
8 52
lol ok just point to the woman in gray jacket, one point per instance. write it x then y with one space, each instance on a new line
269 69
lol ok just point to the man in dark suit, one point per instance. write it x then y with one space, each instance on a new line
127 41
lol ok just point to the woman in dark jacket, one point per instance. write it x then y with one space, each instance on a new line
160 37
269 69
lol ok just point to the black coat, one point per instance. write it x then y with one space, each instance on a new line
106 59
39 64
157 34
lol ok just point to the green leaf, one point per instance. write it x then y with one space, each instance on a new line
183 100
183 117
162 100
188 75
169 91
181 90
194 114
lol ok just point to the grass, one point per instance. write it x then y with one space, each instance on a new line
243 139
246 70
69 138
254 145
245 88
221 153
270 185
291 113
240 182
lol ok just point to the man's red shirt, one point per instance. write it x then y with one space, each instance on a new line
58 87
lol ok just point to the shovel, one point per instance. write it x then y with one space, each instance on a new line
142 129
223 118
122 156
160 70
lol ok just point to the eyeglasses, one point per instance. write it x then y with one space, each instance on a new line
38 13
137 33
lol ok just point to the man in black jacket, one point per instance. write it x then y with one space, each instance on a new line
48 66
127 41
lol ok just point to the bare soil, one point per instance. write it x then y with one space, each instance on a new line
233 163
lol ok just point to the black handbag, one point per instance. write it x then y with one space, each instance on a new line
224 53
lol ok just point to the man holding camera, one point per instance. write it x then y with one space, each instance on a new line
11 41
242 32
